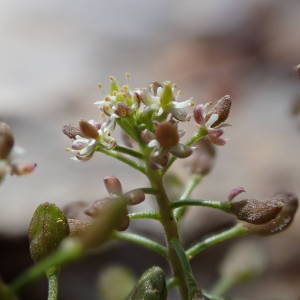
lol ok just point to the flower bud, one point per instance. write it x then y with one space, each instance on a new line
235 192
47 229
222 109
134 197
124 223
151 286
113 185
71 131
199 114
167 135
88 130
95 208
6 140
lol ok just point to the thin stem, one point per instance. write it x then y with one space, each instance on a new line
194 139
122 158
225 206
52 285
236 231
142 241
71 250
172 282
144 215
129 151
191 185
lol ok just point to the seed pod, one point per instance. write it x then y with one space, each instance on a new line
6 140
289 205
151 286
47 229
167 135
222 109
71 131
256 211
88 130
134 197
113 185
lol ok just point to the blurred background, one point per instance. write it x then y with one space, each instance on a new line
53 54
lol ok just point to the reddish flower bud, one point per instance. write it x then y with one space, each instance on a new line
199 114
235 192
88 130
124 223
134 197
181 151
167 134
113 185
6 140
95 208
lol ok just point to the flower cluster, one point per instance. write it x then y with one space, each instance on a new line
150 118
7 154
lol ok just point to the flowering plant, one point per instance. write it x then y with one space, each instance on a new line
150 120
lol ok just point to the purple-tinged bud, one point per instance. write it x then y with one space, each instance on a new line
78 145
113 185
235 192
71 131
215 136
122 110
134 197
181 151
23 169
199 114
288 203
6 140
159 161
96 207
85 157
167 134
88 130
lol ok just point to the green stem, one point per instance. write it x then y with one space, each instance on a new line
171 231
202 132
52 285
129 151
142 241
122 158
236 231
70 250
171 282
225 206
191 185
144 215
